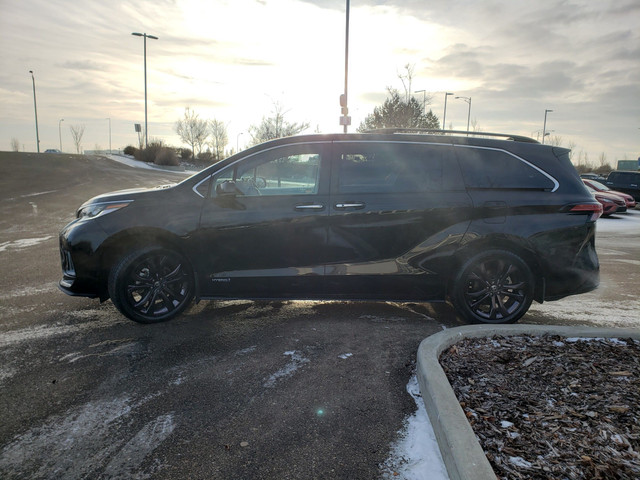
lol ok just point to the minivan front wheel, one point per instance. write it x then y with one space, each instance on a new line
495 286
151 285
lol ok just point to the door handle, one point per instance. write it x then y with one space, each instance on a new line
356 205
313 206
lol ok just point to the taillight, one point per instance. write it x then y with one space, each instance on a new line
594 209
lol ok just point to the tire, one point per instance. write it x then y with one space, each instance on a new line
151 285
495 286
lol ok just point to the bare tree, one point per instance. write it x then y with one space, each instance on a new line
555 141
15 144
77 131
192 130
218 138
602 159
407 79
275 126
572 146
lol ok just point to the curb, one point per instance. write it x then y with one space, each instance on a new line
462 454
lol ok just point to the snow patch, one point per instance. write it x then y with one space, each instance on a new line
591 309
344 356
519 462
81 442
125 463
297 361
246 351
46 331
23 243
415 455
30 291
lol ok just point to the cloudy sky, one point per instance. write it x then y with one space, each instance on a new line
234 59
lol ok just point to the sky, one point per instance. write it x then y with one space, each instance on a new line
235 60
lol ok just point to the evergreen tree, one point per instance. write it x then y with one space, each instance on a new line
398 113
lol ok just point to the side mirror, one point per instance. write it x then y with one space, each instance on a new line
228 187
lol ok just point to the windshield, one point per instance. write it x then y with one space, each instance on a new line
598 185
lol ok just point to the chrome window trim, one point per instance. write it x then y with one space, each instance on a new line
556 184
195 187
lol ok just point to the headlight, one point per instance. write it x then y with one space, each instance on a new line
94 210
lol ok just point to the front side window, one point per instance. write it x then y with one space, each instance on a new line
282 171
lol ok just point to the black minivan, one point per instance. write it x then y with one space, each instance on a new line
489 223
625 181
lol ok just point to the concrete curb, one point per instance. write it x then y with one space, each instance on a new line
462 454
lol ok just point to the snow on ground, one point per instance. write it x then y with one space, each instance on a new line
416 455
127 160
23 243
624 223
61 448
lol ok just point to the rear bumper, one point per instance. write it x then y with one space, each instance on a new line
67 288
581 277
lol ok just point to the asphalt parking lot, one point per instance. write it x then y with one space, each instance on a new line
232 389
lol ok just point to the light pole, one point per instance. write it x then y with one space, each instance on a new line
109 118
468 100
544 128
60 132
345 120
35 108
444 115
238 142
145 36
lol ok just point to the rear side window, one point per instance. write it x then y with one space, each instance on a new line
484 168
393 168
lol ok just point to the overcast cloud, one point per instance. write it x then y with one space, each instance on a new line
233 59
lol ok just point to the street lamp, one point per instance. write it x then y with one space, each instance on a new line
544 128
145 36
238 142
345 120
60 132
109 135
444 115
468 100
35 108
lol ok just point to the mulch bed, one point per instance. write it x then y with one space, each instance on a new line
551 407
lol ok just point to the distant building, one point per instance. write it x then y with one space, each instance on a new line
629 165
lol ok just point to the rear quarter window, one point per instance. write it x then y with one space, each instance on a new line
484 168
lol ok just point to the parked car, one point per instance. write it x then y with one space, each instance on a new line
52 150
610 203
627 182
600 187
592 176
486 223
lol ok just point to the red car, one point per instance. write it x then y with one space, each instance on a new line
610 203
599 187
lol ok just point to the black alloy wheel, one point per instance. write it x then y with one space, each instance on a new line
152 285
495 286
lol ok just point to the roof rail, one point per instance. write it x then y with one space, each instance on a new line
506 136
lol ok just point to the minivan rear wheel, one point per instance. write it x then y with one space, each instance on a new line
495 286
151 285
